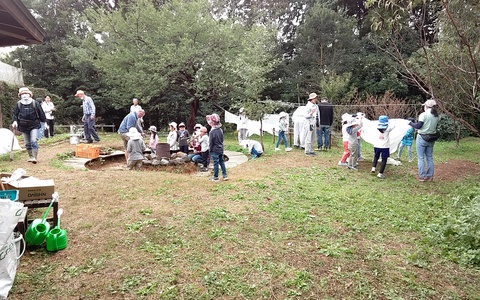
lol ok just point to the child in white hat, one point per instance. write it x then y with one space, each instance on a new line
283 124
135 148
153 139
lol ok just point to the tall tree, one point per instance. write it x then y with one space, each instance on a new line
326 46
48 65
446 65
176 54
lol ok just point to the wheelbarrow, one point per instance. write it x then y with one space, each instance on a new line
38 229
57 238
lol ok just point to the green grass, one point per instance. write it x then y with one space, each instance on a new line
318 232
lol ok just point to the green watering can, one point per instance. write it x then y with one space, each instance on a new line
57 238
38 229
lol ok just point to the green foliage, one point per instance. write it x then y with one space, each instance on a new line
446 64
458 232
326 45
8 99
177 55
448 129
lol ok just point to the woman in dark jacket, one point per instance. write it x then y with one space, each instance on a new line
27 116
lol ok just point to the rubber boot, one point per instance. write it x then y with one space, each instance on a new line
30 156
34 155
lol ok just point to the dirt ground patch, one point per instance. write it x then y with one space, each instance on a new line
455 170
102 202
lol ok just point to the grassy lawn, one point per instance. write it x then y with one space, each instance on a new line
285 226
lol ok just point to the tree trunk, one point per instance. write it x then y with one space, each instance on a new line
194 106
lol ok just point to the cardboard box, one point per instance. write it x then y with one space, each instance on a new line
87 151
31 188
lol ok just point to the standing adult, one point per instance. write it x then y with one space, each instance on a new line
298 119
130 121
242 125
311 123
48 109
326 121
136 107
27 116
88 117
216 147
427 135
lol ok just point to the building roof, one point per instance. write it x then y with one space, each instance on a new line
17 25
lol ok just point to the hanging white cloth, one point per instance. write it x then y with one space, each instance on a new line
6 137
369 131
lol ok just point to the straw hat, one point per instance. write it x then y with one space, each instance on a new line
24 90
312 96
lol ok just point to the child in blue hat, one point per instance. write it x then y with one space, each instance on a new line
381 145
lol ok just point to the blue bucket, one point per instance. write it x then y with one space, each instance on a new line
9 194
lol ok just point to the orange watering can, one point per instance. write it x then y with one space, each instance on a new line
38 229
57 238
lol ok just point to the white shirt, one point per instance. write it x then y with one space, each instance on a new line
383 139
135 108
48 109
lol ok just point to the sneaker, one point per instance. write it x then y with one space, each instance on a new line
203 169
288 149
381 176
311 154
296 146
277 149
420 179
353 168
360 159
96 141
343 164
215 179
253 157
409 160
372 170
428 178
225 178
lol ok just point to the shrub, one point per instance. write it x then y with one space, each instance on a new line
447 128
458 233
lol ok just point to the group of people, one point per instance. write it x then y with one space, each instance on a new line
309 121
205 146
427 135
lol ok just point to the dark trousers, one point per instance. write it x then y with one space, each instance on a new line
50 131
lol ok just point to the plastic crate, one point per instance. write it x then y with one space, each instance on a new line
9 194
87 151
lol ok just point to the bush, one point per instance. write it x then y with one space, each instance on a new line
458 233
447 128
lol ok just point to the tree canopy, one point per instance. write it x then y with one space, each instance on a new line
185 59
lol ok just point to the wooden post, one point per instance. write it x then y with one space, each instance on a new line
290 137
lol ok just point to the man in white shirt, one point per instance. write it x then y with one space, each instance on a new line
135 108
